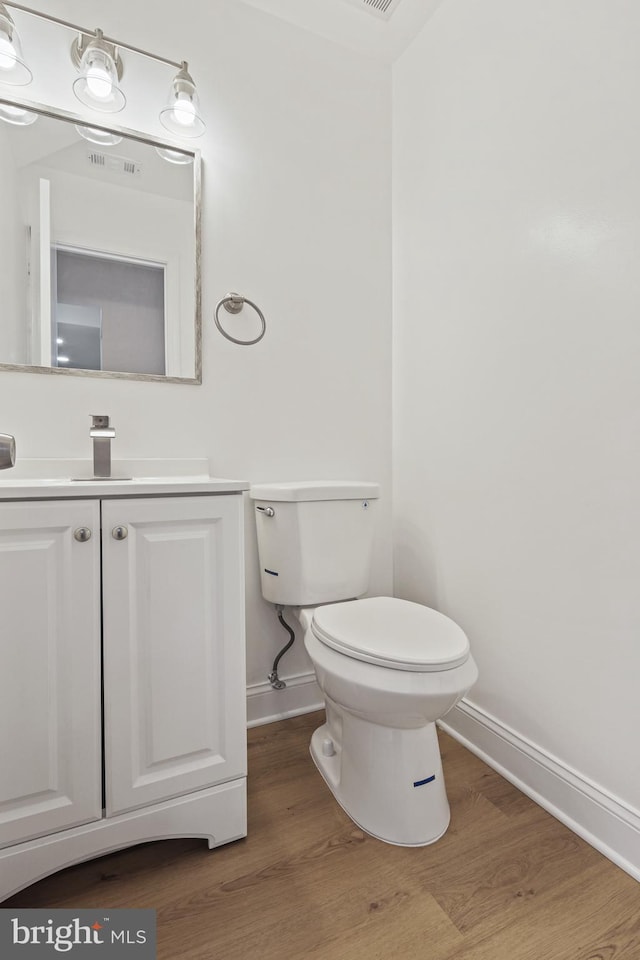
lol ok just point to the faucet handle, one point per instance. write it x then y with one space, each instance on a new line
7 451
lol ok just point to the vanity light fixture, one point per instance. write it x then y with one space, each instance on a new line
100 68
181 115
105 138
19 116
13 68
174 156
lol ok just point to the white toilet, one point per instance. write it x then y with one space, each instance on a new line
388 668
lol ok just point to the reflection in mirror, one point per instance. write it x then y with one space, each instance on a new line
99 250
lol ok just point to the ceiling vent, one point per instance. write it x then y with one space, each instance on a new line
379 8
117 164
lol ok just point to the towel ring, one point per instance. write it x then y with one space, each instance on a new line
233 303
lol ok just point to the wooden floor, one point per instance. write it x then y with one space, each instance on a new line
506 882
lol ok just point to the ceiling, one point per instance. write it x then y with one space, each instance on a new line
356 27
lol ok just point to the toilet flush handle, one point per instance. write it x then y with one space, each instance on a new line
267 511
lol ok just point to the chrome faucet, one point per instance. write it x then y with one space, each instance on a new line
7 451
102 435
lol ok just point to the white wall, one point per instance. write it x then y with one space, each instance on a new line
517 387
296 186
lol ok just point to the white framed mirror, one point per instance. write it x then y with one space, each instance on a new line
99 249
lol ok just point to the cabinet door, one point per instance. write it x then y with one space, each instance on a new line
50 745
174 661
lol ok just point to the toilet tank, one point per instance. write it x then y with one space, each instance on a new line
314 540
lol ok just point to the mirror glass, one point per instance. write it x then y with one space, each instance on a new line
99 244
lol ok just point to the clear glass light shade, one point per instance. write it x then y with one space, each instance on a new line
174 156
103 137
181 115
97 86
17 115
13 68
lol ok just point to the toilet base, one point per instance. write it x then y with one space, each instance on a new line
388 780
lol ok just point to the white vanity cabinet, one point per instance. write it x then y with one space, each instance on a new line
50 751
122 676
174 707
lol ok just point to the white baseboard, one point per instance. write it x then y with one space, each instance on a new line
301 695
605 822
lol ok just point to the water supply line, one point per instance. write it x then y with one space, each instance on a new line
273 677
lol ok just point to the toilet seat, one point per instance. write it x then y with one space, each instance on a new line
392 633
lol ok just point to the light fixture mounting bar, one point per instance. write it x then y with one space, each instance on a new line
85 30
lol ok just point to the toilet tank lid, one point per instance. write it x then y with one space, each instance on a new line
302 490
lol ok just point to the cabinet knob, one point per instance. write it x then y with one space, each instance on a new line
120 532
82 534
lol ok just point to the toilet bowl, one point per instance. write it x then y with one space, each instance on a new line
388 669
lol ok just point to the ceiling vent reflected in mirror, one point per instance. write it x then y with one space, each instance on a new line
117 164
379 8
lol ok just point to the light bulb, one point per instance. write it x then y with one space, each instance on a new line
98 82
184 110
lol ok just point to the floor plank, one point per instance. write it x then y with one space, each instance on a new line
506 882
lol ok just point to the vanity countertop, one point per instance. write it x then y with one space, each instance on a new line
71 479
